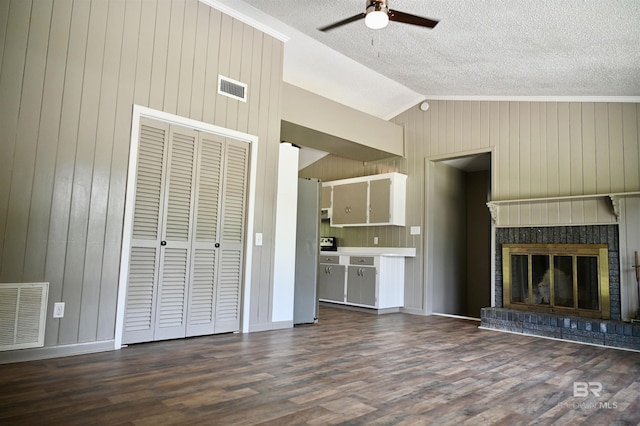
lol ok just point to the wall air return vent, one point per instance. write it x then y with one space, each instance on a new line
23 309
233 89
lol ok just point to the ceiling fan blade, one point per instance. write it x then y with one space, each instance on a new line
344 22
406 18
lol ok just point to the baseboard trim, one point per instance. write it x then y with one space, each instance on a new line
457 316
413 311
360 308
278 325
34 354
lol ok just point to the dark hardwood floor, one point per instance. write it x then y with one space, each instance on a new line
351 368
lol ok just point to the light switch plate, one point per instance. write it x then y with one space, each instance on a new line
415 230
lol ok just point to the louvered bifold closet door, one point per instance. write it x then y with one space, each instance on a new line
201 306
146 232
231 251
175 250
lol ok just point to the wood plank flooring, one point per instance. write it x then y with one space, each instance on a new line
351 368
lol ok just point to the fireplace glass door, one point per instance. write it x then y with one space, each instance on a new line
565 278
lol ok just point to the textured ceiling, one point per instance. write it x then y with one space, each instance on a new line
481 49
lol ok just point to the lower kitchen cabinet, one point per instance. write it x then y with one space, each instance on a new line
361 285
365 281
331 279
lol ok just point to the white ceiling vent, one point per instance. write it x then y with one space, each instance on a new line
233 89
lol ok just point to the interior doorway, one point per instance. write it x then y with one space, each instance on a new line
458 252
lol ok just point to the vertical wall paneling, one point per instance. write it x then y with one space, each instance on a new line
44 169
160 50
616 147
235 65
255 88
4 20
144 60
11 80
514 157
553 166
226 49
125 90
199 62
88 201
70 72
485 137
174 56
81 164
245 75
589 160
576 181
538 171
603 177
212 63
187 55
109 162
631 146
524 166
26 152
60 239
503 155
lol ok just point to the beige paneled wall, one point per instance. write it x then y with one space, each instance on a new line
70 74
540 149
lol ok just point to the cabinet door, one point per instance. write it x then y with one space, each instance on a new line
380 201
350 203
325 197
331 283
361 285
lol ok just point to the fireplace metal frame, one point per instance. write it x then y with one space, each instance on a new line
600 251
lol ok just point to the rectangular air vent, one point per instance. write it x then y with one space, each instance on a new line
23 309
233 89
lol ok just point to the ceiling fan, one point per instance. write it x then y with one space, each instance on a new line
378 15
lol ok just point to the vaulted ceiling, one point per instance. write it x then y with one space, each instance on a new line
480 49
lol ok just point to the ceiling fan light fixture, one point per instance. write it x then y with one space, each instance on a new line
377 15
376 20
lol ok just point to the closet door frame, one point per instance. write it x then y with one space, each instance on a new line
138 113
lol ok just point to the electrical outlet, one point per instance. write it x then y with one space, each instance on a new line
58 310
375 240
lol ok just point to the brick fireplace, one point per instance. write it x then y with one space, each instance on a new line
543 319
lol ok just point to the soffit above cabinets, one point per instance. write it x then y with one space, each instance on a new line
316 122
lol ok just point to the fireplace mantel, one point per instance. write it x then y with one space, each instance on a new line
592 209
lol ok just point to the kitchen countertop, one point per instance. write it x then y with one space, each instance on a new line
372 251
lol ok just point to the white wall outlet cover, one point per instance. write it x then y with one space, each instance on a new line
58 310
258 238
375 240
415 230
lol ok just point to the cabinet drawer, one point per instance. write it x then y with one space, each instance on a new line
361 260
332 260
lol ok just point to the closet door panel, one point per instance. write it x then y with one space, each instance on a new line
146 234
176 243
231 251
201 309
